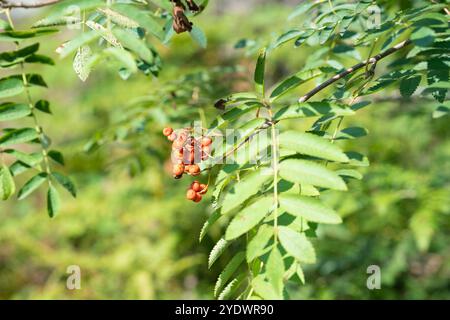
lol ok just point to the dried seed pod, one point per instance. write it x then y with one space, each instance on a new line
180 22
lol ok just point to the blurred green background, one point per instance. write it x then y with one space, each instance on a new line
134 235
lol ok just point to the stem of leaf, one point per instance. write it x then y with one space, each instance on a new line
31 106
275 178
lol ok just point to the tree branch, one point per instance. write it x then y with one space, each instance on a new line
358 66
8 4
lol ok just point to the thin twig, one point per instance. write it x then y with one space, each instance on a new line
356 67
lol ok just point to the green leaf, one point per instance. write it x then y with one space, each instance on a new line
303 171
39 58
43 105
275 270
228 271
119 19
243 189
121 55
12 35
11 111
300 273
53 201
56 156
10 87
264 289
249 217
350 173
32 185
259 72
198 36
231 287
66 183
217 251
303 8
288 84
312 109
17 136
357 159
441 85
351 133
31 159
211 220
256 246
311 145
71 46
145 19
7 185
297 245
309 208
442 110
65 12
130 41
423 37
10 58
409 85
287 36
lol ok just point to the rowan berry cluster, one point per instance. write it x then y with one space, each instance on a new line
196 190
187 152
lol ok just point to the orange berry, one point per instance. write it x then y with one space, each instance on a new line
198 197
179 153
182 138
203 188
194 170
167 131
191 194
178 169
206 141
196 186
172 136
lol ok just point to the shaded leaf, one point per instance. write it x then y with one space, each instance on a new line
259 72
65 182
7 185
198 36
17 136
228 271
32 185
217 251
53 201
10 87
12 111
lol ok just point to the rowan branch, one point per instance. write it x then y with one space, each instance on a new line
373 61
8 4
